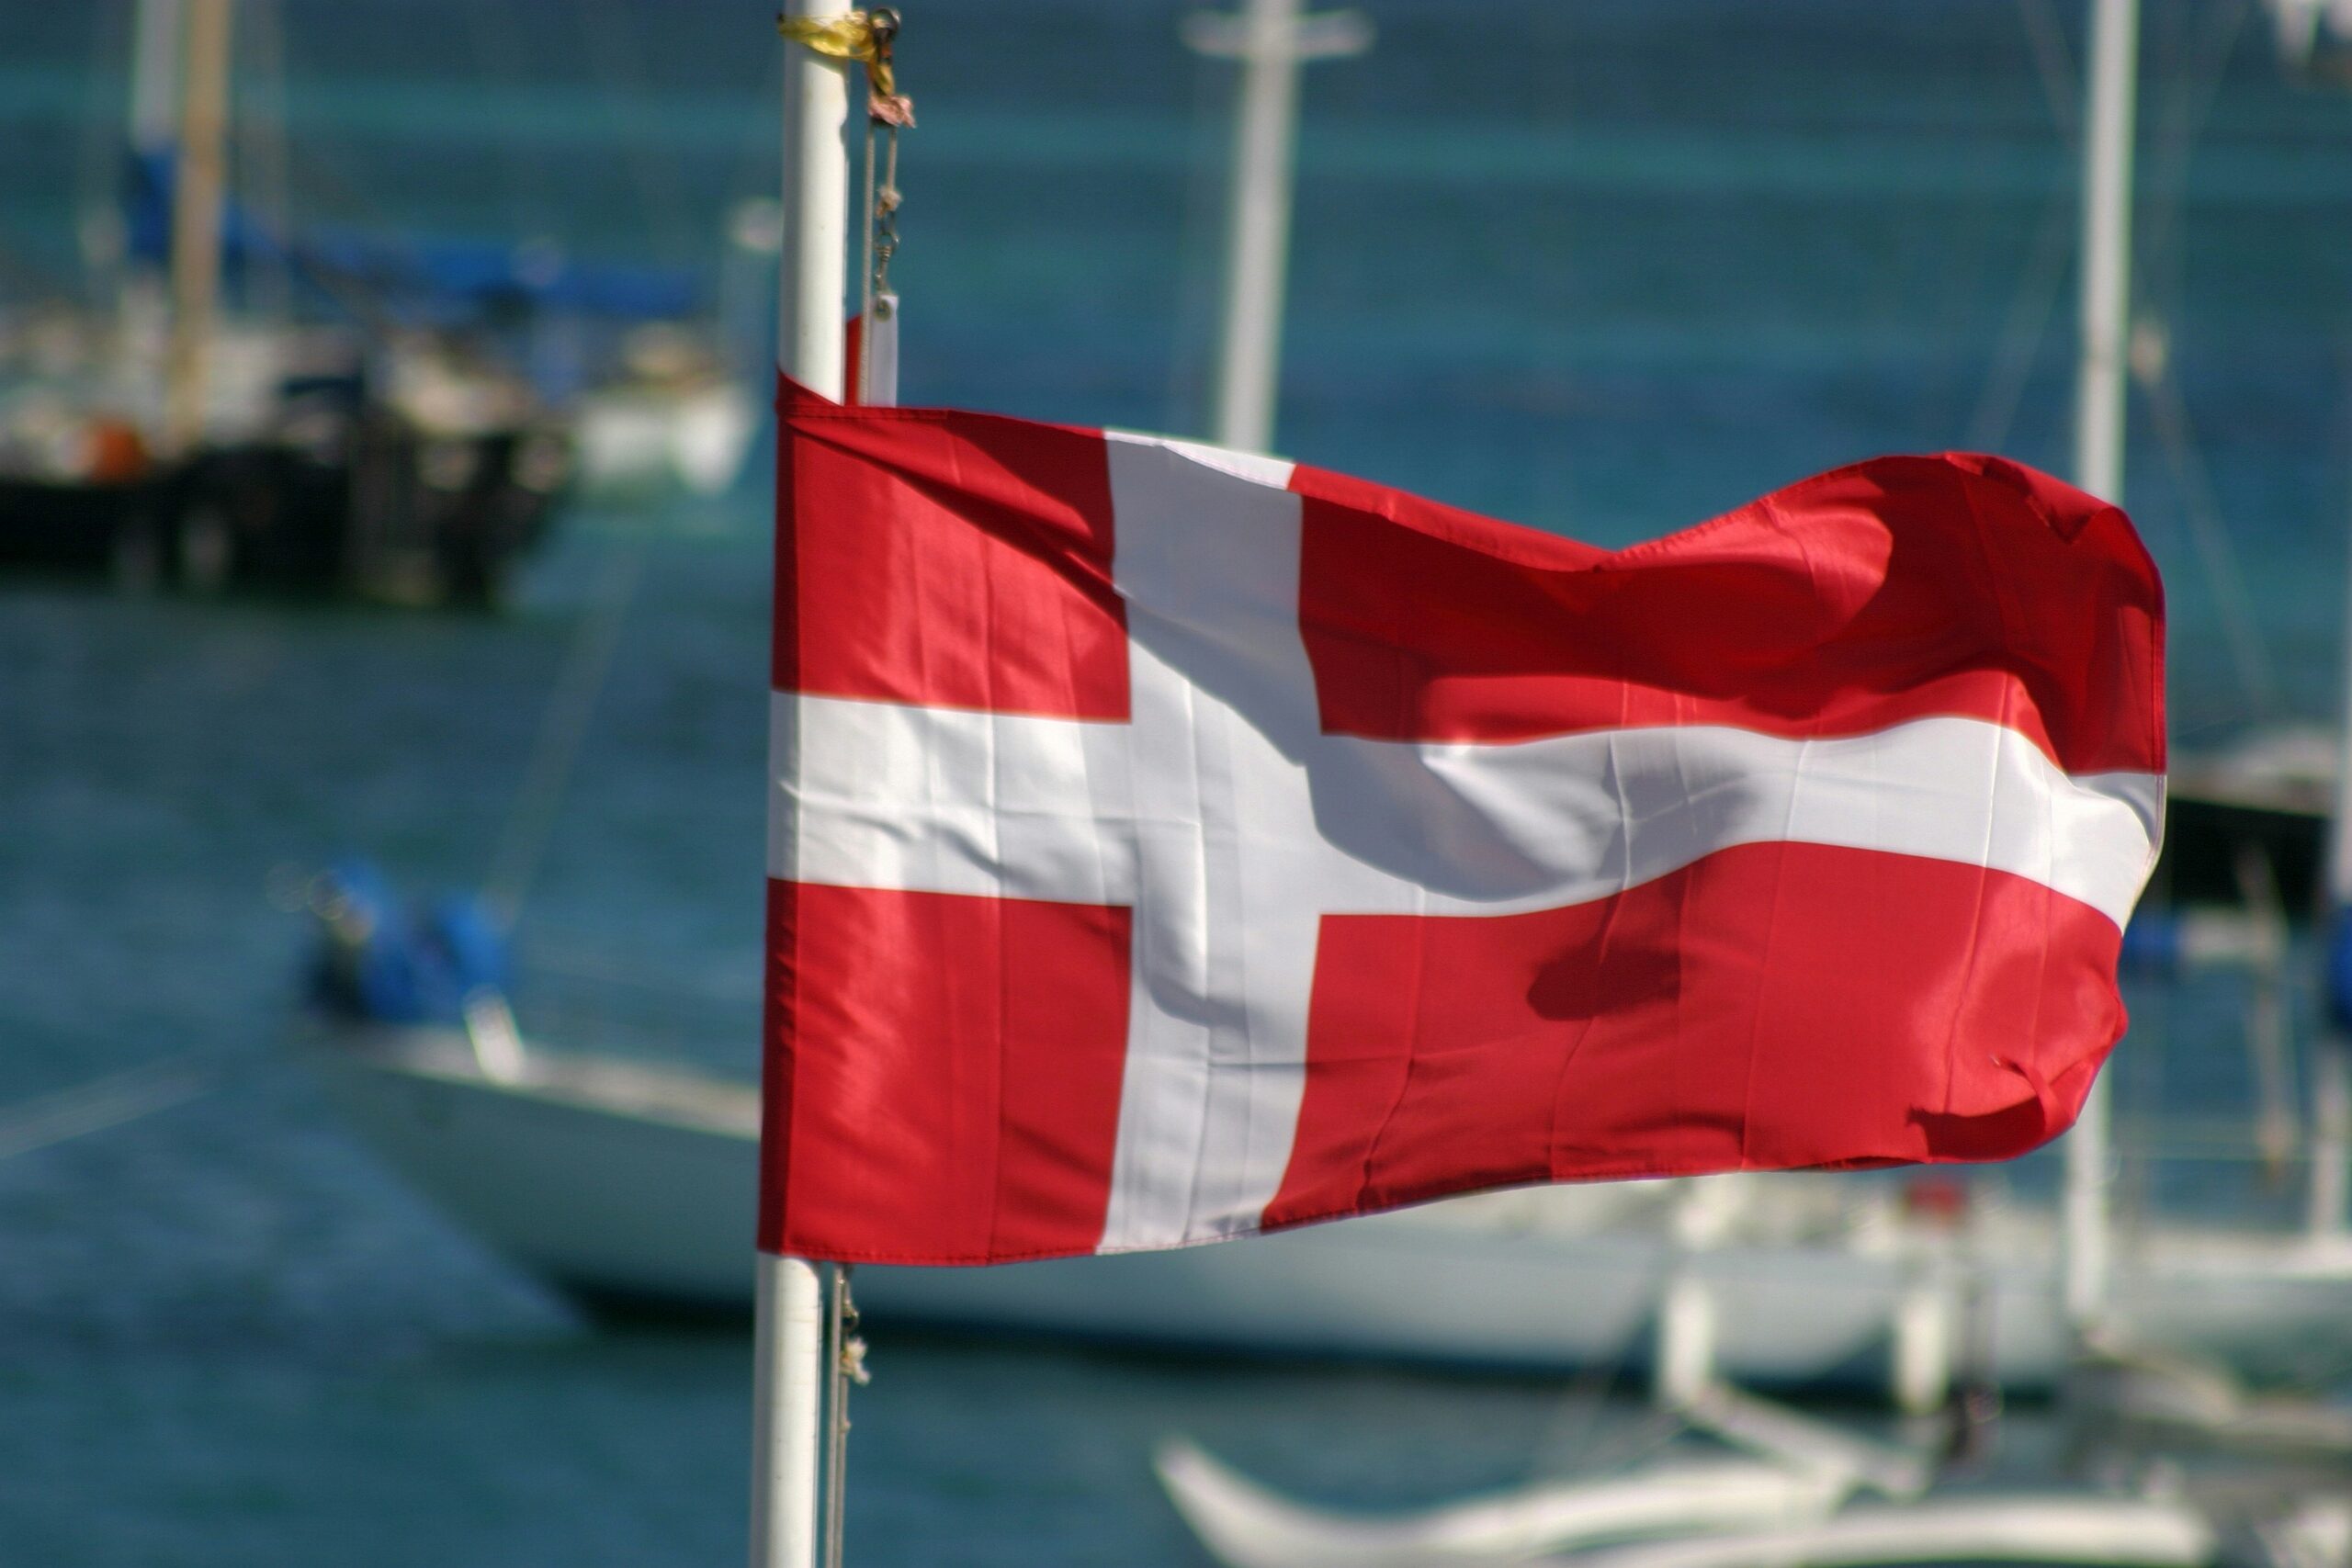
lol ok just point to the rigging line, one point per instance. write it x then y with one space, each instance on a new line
1572 1437
2043 275
870 219
102 242
493 59
261 160
1572 1441
2024 326
370 304
522 846
113 1099
616 55
584 962
327 186
2209 532
2054 62
752 163
2188 108
844 1369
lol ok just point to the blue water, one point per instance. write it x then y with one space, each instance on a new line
1609 267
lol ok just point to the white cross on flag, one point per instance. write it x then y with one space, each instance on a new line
1170 843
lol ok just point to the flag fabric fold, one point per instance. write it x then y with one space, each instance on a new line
1169 843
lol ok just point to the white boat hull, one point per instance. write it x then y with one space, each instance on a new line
696 438
637 1184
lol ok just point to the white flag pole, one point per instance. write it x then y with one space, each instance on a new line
788 1359
787 1387
815 271
2098 468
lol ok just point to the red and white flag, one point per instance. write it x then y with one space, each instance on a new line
1170 843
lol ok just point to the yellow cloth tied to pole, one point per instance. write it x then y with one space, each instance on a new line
859 36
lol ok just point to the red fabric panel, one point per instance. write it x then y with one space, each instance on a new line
950 559
1896 589
942 1076
1771 1007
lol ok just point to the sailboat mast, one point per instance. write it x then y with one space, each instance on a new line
2098 468
1271 39
788 1354
198 179
2106 282
1258 228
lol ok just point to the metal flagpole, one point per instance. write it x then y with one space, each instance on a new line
788 1359
1272 40
2098 468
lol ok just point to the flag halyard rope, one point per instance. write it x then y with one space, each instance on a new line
844 1367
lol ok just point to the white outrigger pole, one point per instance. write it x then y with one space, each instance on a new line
788 1354
2098 468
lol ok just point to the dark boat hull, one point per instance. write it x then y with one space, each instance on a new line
2206 834
395 514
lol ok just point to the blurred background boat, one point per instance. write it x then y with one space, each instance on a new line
630 1184
243 397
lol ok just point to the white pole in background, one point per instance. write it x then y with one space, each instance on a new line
1271 39
2329 1202
788 1358
2105 250
2098 468
1257 233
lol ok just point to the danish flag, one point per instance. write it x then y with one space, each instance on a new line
1170 843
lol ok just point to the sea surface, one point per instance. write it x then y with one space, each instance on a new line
1607 266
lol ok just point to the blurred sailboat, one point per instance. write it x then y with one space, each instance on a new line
672 420
687 405
179 442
